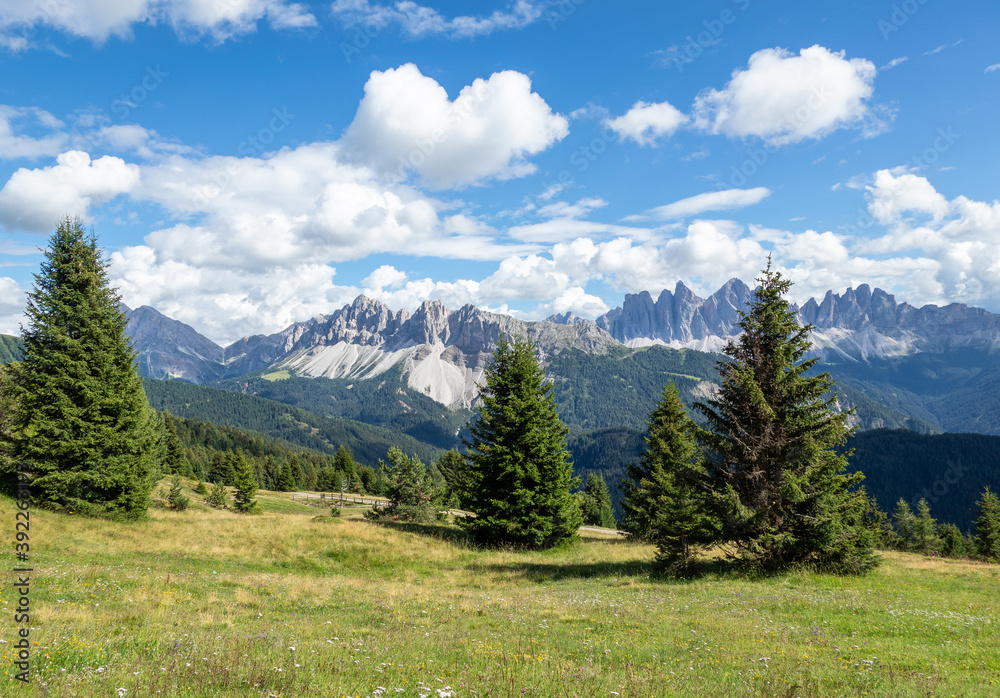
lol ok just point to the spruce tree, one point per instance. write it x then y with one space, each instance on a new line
176 498
175 462
782 489
82 423
287 481
596 507
244 499
519 475
925 536
453 467
952 541
666 500
409 492
906 524
987 537
344 462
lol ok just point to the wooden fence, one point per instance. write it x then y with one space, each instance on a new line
333 499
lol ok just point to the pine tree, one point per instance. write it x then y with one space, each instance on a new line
519 473
782 489
988 526
925 537
344 462
244 499
453 467
287 481
175 462
666 501
906 524
272 474
409 492
82 423
952 541
311 478
596 507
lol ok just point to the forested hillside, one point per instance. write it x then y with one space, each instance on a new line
277 420
385 401
949 470
10 349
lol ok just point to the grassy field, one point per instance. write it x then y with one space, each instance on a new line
296 603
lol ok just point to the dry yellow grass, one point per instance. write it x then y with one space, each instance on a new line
209 603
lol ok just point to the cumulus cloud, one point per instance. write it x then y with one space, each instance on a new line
960 237
406 122
100 19
725 200
226 303
891 196
644 123
13 300
420 21
786 98
20 145
34 200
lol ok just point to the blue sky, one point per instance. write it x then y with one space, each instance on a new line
250 163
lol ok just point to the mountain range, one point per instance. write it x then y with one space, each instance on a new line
442 353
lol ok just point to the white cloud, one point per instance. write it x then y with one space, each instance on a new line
18 145
894 62
784 98
645 123
385 275
577 301
406 122
100 19
13 300
526 278
725 200
226 303
419 21
35 200
891 196
995 66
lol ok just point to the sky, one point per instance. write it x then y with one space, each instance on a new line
246 164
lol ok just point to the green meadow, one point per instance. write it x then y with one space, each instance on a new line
295 602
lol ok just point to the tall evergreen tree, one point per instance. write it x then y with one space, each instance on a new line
245 496
519 473
925 534
906 524
344 462
175 461
781 487
987 536
596 507
82 423
666 500
453 467
287 481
